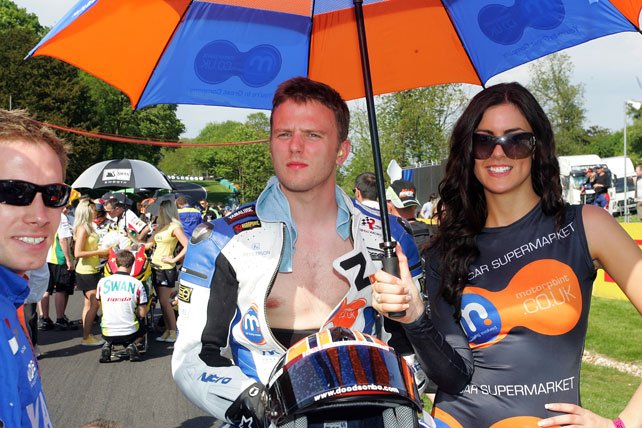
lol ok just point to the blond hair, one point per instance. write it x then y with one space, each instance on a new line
18 125
83 216
167 214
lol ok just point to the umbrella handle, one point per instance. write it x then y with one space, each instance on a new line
391 265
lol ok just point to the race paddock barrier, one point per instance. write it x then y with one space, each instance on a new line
604 285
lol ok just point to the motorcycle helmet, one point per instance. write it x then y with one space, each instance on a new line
344 378
141 269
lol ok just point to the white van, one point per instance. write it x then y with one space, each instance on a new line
621 167
573 175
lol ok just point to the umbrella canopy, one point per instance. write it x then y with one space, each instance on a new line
155 206
235 52
122 173
119 197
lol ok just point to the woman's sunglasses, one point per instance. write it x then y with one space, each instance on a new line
21 193
515 146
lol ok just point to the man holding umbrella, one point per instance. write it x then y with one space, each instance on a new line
274 271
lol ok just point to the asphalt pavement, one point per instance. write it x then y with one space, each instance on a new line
134 394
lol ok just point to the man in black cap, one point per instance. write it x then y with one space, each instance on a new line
401 196
601 187
402 202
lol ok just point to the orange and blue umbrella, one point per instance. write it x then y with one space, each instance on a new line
236 52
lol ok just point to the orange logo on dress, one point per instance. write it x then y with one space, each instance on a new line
347 313
519 422
444 420
544 296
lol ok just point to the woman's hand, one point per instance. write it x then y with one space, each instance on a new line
574 417
392 294
102 252
167 259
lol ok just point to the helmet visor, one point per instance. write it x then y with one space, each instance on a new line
341 371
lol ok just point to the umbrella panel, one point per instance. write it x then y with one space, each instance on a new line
498 37
236 56
228 64
235 52
120 174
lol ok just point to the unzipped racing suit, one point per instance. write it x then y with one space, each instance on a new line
225 344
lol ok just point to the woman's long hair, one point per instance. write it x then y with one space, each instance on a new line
83 216
167 214
462 209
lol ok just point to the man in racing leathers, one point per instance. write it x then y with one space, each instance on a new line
295 261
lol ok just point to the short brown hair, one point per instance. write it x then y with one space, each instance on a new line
303 90
18 125
124 258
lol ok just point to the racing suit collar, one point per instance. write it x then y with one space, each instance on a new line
272 206
13 286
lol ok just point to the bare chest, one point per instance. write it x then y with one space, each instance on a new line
305 297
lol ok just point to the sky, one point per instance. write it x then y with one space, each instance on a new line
608 68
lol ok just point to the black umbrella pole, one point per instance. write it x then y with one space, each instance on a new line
390 261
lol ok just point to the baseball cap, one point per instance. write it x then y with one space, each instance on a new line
402 194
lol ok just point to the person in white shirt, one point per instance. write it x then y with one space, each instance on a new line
123 300
365 189
428 207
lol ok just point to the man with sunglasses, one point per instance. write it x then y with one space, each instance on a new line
125 221
32 194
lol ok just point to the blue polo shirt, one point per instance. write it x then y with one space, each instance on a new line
24 406
190 218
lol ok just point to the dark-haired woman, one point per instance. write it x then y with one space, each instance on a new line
509 277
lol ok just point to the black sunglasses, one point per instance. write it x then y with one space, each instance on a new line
21 193
515 146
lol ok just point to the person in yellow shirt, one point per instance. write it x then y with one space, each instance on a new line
169 233
87 256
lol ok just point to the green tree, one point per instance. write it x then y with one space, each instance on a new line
606 143
603 142
249 166
55 92
562 100
112 114
413 127
49 89
633 135
12 16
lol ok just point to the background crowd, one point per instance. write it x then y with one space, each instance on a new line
93 228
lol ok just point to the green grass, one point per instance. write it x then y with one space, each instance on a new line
213 187
615 330
215 191
606 391
633 218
